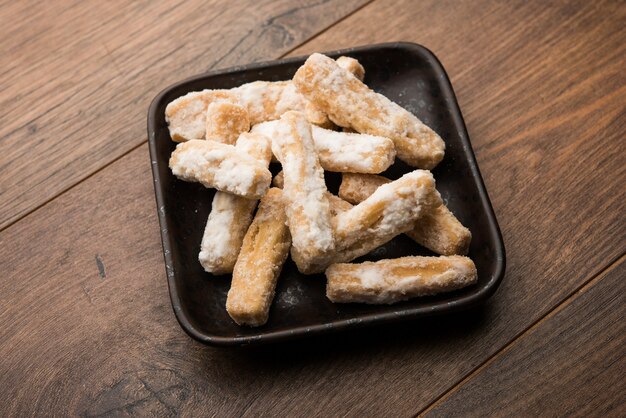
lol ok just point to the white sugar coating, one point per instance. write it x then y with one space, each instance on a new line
344 152
391 210
351 152
352 65
308 210
370 277
189 121
256 146
186 115
231 215
399 200
226 226
217 233
219 165
265 128
225 121
391 281
351 104
268 100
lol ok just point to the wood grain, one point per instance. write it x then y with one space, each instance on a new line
541 88
77 77
572 364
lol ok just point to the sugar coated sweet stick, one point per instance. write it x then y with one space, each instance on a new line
266 129
264 100
220 166
268 100
352 65
315 115
391 210
355 188
228 222
391 281
350 103
337 205
351 152
263 253
307 206
256 146
225 121
231 215
345 152
438 230
186 116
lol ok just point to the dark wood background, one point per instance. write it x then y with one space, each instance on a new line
86 326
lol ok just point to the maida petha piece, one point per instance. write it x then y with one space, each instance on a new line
263 253
345 152
269 100
337 204
225 121
350 103
438 230
395 280
391 210
186 115
352 65
220 166
231 215
228 222
307 205
353 152
264 100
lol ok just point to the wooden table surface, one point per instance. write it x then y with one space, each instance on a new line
86 325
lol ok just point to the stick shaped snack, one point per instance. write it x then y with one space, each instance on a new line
439 230
391 281
220 166
268 100
352 152
337 204
186 116
343 151
391 210
307 206
350 103
263 253
231 215
352 65
316 116
355 188
225 121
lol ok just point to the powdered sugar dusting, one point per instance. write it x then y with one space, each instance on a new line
219 165
351 152
268 100
350 103
390 281
308 210
391 210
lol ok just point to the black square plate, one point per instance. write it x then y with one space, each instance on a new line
408 74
